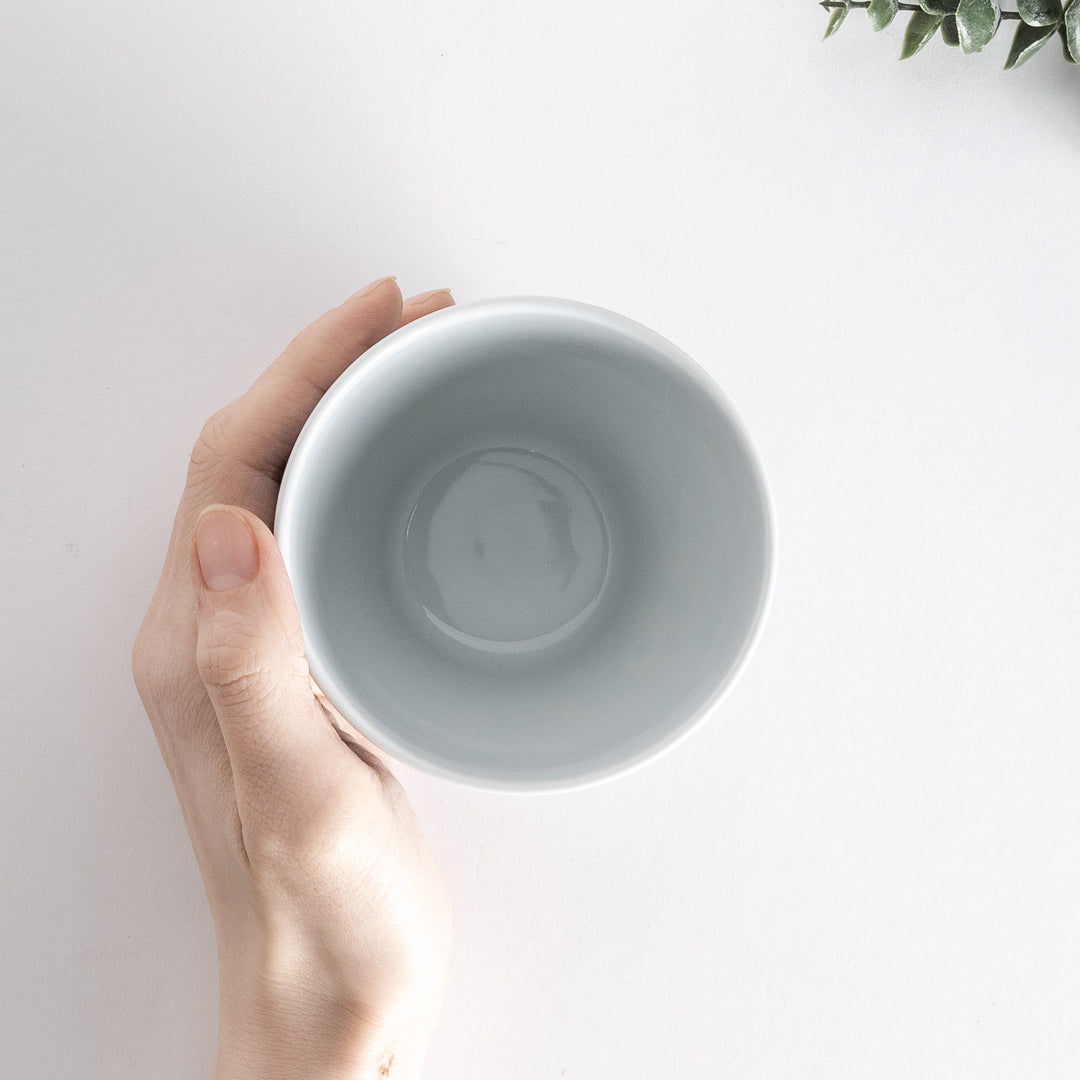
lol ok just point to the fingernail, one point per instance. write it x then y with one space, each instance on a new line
367 290
226 550
424 297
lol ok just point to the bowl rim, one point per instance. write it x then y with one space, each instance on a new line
368 366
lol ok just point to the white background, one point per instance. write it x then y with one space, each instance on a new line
866 864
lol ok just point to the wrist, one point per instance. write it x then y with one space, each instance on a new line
268 1032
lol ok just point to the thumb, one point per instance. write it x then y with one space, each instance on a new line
250 656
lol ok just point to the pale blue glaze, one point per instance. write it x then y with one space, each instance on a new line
506 550
529 541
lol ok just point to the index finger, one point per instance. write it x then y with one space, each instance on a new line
244 448
254 435
241 453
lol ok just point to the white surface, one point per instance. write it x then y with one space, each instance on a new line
866 864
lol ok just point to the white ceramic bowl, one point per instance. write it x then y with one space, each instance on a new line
530 543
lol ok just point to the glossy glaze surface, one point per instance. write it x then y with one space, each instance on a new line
529 542
506 550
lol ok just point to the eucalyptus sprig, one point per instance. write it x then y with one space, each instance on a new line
972 24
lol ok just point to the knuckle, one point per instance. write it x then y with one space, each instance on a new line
235 669
150 666
142 662
164 683
233 672
212 444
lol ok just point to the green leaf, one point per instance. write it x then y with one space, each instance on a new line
839 14
1027 42
1065 43
920 29
1071 31
977 22
882 12
933 7
1039 12
949 34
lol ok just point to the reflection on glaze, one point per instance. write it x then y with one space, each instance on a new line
506 550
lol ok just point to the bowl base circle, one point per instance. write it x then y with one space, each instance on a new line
506 550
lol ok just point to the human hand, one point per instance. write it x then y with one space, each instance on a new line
332 924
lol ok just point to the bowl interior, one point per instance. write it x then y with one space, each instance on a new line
529 543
